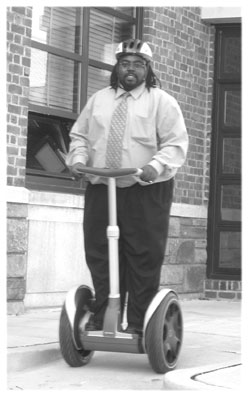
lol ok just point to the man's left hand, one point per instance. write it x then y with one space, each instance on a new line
149 174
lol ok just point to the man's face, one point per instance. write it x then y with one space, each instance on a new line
132 71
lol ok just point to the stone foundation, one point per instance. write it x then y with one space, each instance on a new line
184 267
17 247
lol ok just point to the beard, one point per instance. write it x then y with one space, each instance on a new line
130 81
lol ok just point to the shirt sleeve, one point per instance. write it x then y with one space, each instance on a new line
172 137
78 149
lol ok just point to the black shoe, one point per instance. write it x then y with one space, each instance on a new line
93 325
134 330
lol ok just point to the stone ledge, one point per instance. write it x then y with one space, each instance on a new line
18 195
23 195
15 307
189 211
63 200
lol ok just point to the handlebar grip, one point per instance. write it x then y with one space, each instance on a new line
106 172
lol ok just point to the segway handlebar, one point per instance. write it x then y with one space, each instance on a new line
109 172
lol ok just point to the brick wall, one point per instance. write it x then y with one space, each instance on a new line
18 69
183 60
222 289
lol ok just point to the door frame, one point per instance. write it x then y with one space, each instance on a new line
216 225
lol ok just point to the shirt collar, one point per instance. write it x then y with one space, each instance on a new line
134 93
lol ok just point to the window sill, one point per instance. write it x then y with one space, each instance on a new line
32 197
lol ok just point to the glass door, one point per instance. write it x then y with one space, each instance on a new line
224 214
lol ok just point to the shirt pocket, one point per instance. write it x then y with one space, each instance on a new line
143 127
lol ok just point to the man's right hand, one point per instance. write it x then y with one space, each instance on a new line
76 170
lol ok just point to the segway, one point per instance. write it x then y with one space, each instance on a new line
162 333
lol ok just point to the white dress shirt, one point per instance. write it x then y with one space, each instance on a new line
155 133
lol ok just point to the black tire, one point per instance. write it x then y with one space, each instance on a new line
163 336
73 356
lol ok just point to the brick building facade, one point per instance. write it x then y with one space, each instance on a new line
43 257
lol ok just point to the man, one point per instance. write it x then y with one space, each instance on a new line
154 138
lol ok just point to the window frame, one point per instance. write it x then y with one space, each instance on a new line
48 182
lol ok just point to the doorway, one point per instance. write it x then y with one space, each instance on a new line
224 212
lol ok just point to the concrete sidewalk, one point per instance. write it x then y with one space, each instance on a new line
210 357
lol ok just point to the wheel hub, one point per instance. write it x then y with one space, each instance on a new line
171 334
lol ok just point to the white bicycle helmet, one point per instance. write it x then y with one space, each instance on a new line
134 46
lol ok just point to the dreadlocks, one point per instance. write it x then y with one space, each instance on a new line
150 81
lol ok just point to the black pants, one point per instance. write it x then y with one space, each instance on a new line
143 219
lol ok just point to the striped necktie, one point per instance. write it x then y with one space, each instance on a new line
116 133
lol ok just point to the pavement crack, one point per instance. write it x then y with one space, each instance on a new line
194 377
30 346
16 387
211 333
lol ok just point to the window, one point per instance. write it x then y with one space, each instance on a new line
72 56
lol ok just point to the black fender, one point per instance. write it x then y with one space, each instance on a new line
156 301
77 305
